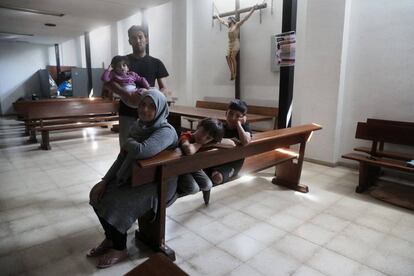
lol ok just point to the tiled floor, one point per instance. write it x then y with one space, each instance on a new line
251 227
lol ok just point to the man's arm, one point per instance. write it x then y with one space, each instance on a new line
162 85
122 92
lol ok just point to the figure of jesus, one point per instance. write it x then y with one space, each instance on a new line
234 42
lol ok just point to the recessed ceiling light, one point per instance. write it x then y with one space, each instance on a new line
7 35
31 10
50 24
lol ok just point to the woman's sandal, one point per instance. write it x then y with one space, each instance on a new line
100 249
111 258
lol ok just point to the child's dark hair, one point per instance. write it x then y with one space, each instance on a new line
117 59
238 105
213 127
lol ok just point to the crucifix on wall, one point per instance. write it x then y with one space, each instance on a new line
233 24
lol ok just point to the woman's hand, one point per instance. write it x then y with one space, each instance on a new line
97 192
110 68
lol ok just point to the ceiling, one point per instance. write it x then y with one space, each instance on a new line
80 16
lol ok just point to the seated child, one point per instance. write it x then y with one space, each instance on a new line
236 130
208 132
118 71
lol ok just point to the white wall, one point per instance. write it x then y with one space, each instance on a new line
379 76
160 33
105 42
19 63
354 61
211 77
70 52
317 72
100 42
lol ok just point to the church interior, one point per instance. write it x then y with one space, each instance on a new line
307 167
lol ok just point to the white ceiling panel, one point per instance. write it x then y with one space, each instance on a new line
80 16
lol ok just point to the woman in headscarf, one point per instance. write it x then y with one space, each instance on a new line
118 204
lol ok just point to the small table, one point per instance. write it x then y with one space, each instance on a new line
177 111
157 265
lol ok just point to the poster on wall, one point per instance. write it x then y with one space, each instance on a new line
285 47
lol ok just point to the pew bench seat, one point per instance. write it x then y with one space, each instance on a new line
387 154
45 130
50 116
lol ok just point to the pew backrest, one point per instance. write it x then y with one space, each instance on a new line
251 109
387 133
23 106
176 164
72 109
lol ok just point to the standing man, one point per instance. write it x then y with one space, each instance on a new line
152 69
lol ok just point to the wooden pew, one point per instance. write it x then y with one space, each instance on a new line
272 112
63 115
22 108
263 152
380 152
376 157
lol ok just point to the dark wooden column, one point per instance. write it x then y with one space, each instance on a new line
237 92
287 72
88 61
58 70
145 26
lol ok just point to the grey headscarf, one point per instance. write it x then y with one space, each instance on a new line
140 128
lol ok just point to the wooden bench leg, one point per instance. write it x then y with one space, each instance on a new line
45 145
288 173
206 197
147 233
175 121
368 174
26 129
32 137
152 231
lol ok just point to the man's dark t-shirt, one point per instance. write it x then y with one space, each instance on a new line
148 67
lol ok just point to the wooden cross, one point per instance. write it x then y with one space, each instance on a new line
237 12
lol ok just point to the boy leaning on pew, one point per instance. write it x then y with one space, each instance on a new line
236 131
